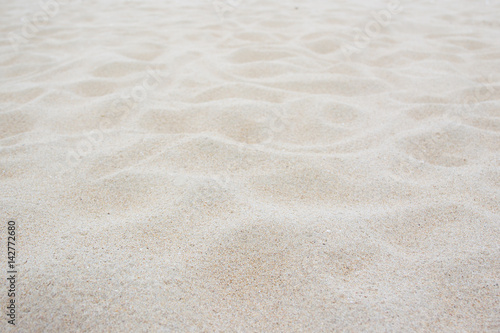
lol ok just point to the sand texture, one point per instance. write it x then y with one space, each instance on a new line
251 166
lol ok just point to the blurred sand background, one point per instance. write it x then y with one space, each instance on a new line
246 166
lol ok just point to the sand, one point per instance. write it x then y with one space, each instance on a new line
251 166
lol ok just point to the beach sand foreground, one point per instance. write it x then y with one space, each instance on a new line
251 166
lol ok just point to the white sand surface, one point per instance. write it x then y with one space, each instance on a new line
251 166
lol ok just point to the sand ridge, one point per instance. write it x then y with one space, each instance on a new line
252 166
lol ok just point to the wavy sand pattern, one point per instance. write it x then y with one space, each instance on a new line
252 166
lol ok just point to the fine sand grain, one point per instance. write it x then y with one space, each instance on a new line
251 166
